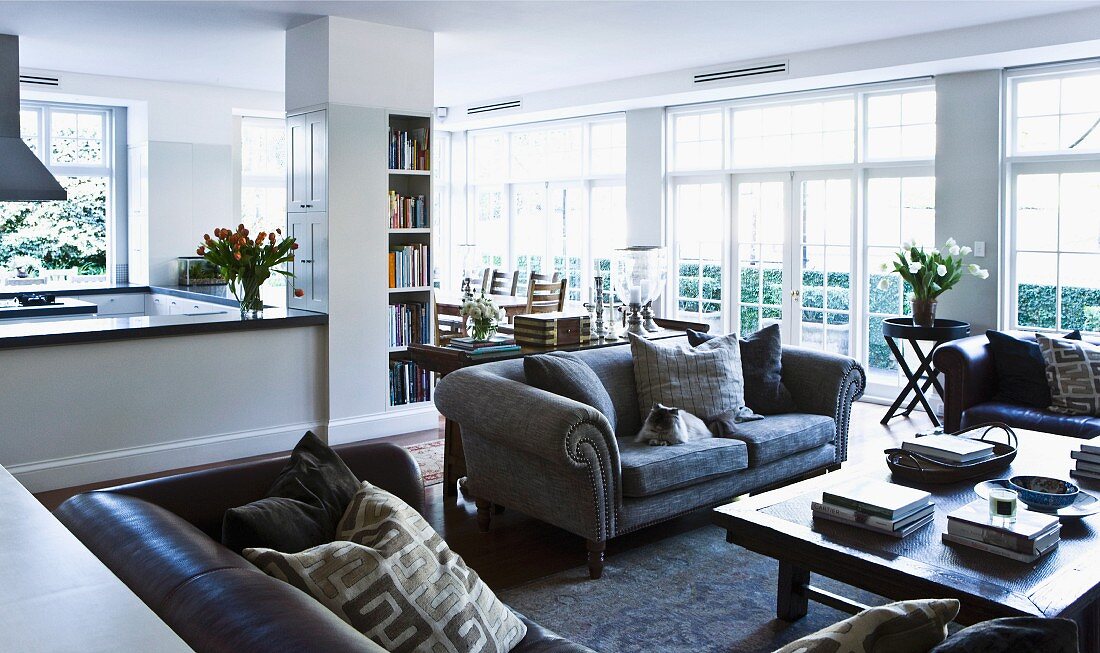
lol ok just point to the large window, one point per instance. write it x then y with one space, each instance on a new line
60 241
1053 166
547 198
784 208
263 173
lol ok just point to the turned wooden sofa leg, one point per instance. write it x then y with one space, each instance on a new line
595 558
484 514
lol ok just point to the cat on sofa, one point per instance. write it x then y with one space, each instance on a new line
667 425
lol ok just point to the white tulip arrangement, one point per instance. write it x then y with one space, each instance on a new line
483 316
931 272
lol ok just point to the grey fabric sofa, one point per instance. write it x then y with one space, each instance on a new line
559 461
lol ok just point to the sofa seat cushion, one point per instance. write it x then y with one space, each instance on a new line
779 436
650 470
1035 419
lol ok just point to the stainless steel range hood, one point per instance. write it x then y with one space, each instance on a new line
23 177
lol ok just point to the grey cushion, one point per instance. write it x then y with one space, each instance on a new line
1012 634
568 376
705 380
1073 374
615 367
762 367
778 436
650 470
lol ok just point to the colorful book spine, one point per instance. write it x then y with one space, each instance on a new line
409 383
409 324
410 266
409 149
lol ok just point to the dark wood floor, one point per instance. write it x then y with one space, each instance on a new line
519 549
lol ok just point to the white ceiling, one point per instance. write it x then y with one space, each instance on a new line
484 50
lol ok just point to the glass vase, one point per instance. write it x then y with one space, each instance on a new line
481 329
247 293
924 312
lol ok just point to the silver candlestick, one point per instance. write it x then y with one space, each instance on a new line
611 331
647 318
599 305
634 320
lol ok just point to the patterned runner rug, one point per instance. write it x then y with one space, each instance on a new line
429 455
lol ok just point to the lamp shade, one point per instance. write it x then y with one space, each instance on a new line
638 273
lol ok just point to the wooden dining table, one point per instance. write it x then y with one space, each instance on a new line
449 303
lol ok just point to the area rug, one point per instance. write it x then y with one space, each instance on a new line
685 594
429 456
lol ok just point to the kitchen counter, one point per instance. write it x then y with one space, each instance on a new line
63 306
65 332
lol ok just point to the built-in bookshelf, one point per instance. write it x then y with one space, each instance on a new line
409 255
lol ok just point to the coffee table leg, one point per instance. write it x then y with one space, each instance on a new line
1088 628
791 601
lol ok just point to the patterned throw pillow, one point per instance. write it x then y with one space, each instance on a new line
1073 373
392 578
902 627
706 380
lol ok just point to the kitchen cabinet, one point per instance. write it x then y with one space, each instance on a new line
310 265
118 305
307 167
162 304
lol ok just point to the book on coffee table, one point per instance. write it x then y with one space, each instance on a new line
1001 551
1030 534
894 528
950 448
876 498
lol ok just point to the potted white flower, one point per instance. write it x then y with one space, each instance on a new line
482 316
931 273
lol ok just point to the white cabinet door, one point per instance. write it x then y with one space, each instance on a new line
310 265
120 304
156 304
297 169
317 149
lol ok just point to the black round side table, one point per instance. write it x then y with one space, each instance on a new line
902 328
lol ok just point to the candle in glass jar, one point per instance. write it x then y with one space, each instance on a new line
635 295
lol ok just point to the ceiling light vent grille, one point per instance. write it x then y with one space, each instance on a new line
496 106
39 80
769 69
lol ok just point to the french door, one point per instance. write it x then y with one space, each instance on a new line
546 234
793 250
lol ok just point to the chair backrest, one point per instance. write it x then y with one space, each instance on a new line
64 274
502 283
447 326
545 296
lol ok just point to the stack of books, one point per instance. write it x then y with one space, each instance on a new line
409 383
1088 462
407 212
410 266
409 324
1027 539
495 346
950 448
409 149
877 506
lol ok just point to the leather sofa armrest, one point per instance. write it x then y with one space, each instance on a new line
969 376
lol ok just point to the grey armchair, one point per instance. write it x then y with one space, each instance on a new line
559 460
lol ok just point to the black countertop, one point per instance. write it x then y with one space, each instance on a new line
66 332
63 332
62 306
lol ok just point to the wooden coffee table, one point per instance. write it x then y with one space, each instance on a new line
1064 583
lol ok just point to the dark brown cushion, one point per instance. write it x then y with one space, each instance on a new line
302 506
1012 634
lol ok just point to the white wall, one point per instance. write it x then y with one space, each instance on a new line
190 132
968 187
76 414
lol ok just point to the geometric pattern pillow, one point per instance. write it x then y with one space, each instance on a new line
391 577
902 627
1073 373
706 381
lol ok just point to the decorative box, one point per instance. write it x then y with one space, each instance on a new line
197 271
552 329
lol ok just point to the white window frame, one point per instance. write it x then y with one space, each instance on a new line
113 168
1015 165
584 183
860 168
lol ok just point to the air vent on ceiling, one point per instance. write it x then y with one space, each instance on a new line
496 106
39 80
741 72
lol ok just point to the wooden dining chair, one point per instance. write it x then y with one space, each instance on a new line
502 283
448 324
546 295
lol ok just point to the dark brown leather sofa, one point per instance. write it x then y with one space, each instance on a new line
970 381
161 537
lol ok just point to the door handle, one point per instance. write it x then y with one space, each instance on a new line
309 206
796 295
306 260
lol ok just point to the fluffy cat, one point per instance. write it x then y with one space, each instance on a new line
668 426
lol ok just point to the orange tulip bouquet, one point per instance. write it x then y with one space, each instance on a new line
246 263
